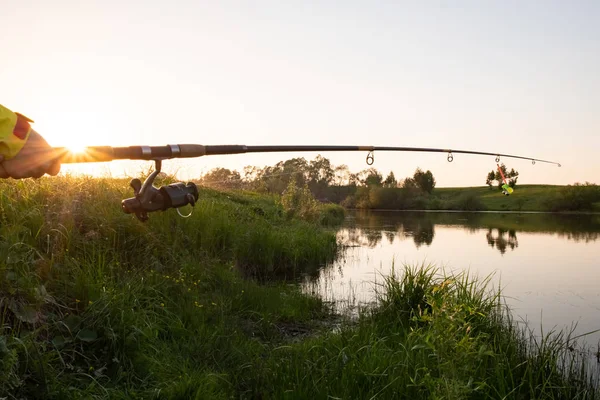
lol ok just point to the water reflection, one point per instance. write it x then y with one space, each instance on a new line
547 265
367 229
500 241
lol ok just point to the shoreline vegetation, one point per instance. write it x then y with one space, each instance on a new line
370 189
526 198
95 304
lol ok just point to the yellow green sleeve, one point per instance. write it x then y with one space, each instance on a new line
10 142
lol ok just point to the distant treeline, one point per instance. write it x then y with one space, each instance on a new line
326 181
368 189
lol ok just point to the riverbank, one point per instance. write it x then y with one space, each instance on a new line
436 335
544 198
97 304
539 198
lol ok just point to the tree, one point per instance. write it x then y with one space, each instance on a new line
342 175
321 175
250 173
276 178
409 183
371 177
320 171
222 178
491 177
512 177
390 181
424 180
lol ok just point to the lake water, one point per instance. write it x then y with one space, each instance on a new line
548 265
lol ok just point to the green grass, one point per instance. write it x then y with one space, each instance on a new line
433 336
532 196
93 301
543 198
524 198
94 304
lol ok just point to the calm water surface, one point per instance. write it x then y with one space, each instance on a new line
546 264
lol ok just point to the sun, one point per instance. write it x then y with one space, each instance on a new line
76 148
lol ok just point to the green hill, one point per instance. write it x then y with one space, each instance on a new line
524 198
544 198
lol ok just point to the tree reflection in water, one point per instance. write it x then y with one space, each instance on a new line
422 234
367 228
500 241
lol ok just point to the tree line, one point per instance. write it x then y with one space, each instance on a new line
370 189
330 183
317 174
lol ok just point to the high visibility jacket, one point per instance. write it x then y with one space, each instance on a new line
14 131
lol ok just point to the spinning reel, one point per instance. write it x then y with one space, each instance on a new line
148 198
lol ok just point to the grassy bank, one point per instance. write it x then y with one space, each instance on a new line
546 198
528 198
94 304
433 336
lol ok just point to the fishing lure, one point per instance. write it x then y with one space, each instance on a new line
506 189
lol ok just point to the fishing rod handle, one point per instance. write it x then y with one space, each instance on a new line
107 153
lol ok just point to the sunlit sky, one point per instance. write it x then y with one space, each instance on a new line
501 76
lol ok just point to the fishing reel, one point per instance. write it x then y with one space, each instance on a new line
148 198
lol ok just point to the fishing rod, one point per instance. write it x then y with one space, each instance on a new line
147 198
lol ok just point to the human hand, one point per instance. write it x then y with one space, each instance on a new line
33 161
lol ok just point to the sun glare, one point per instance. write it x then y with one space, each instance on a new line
76 149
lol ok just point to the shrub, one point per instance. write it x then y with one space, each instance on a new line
349 202
467 202
299 202
383 198
331 214
577 197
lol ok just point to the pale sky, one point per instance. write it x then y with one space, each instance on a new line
506 76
